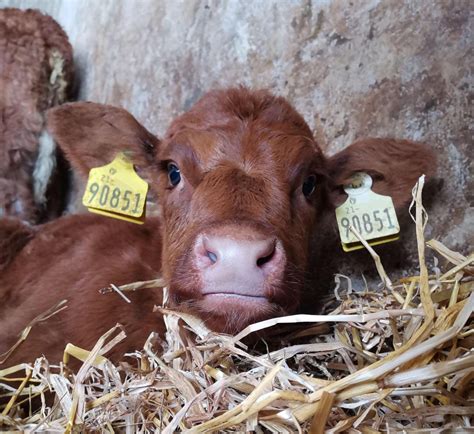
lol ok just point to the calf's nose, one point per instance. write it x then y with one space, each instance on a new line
238 266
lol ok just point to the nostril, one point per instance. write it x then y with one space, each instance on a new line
267 255
212 256
262 261
205 254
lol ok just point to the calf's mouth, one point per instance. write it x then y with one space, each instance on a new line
237 278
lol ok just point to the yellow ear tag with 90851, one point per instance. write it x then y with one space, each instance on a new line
115 190
371 214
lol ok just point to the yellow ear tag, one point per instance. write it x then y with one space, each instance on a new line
371 214
115 190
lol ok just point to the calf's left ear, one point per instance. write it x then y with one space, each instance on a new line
91 135
394 165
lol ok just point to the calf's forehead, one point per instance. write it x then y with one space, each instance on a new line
249 128
249 145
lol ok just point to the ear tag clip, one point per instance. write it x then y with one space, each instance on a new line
371 214
115 190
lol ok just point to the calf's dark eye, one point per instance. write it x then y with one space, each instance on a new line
309 185
174 174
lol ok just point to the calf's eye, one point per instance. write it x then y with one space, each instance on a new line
174 174
309 185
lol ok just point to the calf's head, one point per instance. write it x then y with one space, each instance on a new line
242 185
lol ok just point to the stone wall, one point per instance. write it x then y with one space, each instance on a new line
353 68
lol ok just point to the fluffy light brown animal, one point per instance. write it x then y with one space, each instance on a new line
36 73
244 190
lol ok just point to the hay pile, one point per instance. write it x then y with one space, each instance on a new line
383 360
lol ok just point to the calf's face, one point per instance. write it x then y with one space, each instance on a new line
241 184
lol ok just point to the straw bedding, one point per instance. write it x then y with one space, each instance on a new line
394 358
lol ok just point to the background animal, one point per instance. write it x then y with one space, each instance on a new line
245 193
36 73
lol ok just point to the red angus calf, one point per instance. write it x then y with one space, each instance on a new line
242 187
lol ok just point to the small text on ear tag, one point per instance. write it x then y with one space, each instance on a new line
115 190
371 214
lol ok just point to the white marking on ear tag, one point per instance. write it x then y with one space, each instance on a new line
115 190
371 214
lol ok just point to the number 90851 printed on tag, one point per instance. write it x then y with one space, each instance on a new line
116 199
370 224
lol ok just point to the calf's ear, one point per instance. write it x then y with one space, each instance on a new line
91 135
394 165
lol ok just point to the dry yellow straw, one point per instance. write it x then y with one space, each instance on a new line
322 412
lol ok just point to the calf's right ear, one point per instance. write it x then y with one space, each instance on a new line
91 135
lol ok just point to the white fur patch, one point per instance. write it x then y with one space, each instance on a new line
44 166
18 207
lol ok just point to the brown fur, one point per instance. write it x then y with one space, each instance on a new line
14 235
60 262
30 43
243 157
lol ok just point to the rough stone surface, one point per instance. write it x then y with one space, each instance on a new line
353 69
